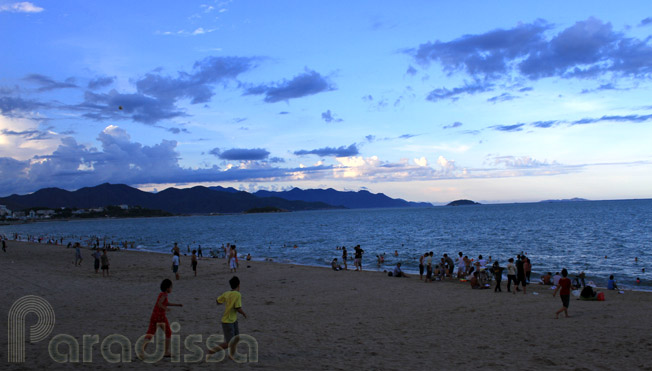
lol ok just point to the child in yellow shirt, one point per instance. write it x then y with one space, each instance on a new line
233 305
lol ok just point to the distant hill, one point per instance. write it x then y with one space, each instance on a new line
351 200
196 200
462 203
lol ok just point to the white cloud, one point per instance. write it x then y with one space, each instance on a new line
21 138
447 166
421 161
22 7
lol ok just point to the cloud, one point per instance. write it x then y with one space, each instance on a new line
611 118
646 21
241 154
411 71
485 55
370 138
608 86
10 106
308 83
136 106
22 7
501 98
407 136
468 88
178 130
586 49
329 117
48 83
100 82
197 85
342 151
28 134
516 127
456 124
519 162
545 124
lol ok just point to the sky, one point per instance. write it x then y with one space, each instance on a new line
431 101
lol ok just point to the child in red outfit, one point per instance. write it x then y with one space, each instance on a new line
159 318
564 288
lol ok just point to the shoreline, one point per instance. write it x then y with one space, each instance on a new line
383 270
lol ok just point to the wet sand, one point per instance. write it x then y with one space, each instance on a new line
306 318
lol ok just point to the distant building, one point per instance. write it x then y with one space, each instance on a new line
19 215
45 213
124 207
4 211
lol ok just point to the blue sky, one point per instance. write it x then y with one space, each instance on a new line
427 101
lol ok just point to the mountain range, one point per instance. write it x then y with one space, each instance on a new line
200 200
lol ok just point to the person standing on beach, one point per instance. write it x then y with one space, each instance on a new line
497 270
460 265
358 257
233 262
511 275
344 257
78 257
4 245
159 318
96 255
451 265
520 274
421 266
232 301
175 265
193 262
564 289
527 267
175 249
105 263
199 254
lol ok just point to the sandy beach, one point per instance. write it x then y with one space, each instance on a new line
315 318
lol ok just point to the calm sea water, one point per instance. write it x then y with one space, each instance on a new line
597 237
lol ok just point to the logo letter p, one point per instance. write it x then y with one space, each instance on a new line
16 325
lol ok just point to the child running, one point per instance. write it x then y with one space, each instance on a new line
233 305
159 319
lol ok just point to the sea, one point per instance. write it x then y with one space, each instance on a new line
599 238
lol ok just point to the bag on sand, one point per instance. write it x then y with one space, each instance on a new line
601 296
390 274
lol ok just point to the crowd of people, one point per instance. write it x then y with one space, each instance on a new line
480 273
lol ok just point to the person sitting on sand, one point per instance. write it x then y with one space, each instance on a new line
611 284
159 318
546 279
588 293
398 272
335 266
248 257
475 283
